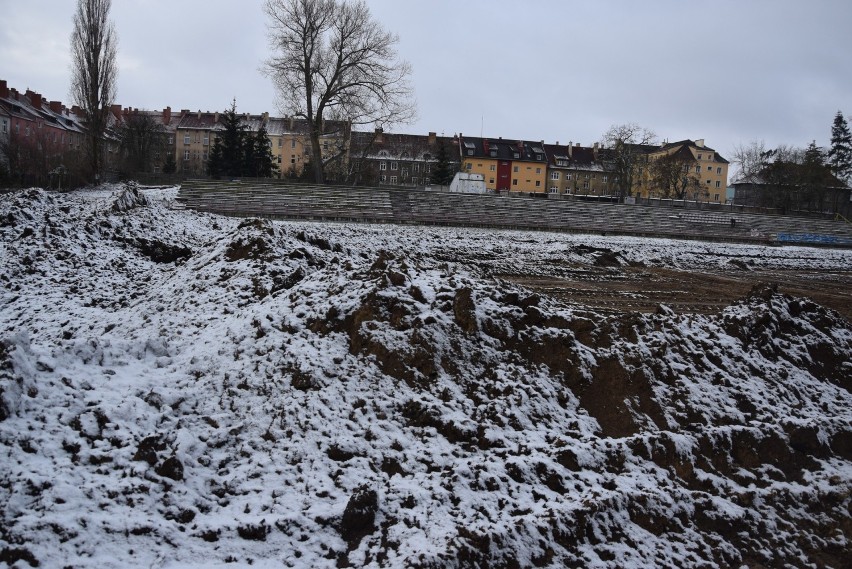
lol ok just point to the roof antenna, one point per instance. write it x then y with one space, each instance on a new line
482 126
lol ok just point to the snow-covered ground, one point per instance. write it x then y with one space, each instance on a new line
186 390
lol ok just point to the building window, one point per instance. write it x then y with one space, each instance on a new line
492 168
718 184
538 170
415 168
514 181
491 181
698 169
709 168
538 183
414 180
469 166
293 143
553 190
699 156
715 197
186 154
515 169
586 175
292 159
585 185
604 178
382 179
426 181
205 155
554 175
279 159
383 165
280 142
171 140
568 176
394 166
186 139
428 168
538 156
393 179
719 170
470 152
708 182
206 140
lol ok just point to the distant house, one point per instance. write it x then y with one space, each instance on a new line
706 169
578 170
381 158
506 165
787 188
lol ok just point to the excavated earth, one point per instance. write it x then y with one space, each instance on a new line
186 390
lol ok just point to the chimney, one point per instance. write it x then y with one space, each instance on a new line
14 93
570 149
199 113
265 116
35 98
77 110
291 124
167 115
433 138
56 107
4 90
380 135
216 117
699 143
184 111
116 110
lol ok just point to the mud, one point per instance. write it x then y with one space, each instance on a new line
643 289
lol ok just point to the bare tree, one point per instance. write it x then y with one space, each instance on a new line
674 175
750 159
628 146
142 141
94 73
332 60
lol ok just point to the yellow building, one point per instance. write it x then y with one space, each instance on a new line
506 165
685 170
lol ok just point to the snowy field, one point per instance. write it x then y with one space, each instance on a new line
181 389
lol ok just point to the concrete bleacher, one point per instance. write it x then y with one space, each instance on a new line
416 206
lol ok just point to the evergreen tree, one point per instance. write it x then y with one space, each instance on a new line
840 154
258 155
227 157
442 173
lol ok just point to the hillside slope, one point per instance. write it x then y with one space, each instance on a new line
182 390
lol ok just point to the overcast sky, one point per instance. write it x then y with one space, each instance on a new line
728 71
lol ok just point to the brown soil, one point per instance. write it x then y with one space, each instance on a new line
642 289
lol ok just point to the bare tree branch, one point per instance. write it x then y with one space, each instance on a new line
331 59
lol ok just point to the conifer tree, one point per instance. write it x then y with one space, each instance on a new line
840 153
442 174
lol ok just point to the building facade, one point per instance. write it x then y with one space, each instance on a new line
506 165
703 172
386 159
577 170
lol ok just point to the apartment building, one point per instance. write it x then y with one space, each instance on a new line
381 158
506 165
577 170
704 171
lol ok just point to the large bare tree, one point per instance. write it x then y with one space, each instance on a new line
331 60
628 146
94 46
